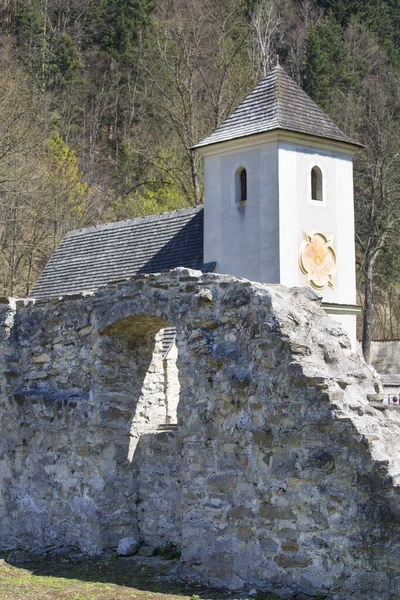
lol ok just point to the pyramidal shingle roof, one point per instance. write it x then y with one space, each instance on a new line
89 258
277 102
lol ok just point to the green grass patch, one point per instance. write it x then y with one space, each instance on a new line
113 578
23 577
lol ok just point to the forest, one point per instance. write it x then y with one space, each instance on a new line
102 101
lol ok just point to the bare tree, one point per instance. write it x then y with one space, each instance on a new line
297 17
195 74
377 189
34 195
265 28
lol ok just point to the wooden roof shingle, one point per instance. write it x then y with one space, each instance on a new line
277 102
88 258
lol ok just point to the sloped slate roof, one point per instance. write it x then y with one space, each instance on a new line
168 339
390 380
277 102
89 258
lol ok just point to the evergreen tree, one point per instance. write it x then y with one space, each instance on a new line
382 18
327 63
31 31
343 10
65 61
117 24
70 191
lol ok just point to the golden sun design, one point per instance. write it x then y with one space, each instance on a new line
317 259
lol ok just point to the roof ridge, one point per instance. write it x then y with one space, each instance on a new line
171 214
304 94
276 70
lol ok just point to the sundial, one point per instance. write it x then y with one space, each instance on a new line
317 259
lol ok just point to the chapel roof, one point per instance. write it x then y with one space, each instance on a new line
277 102
88 258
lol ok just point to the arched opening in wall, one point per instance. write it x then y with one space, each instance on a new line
144 375
241 186
316 184
136 390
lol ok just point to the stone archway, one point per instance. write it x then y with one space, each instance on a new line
136 378
281 472
130 389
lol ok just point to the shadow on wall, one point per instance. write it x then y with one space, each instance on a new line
188 241
133 382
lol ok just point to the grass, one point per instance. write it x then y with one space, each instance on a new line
23 577
63 578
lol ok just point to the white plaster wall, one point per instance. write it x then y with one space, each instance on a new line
260 240
334 215
243 238
349 324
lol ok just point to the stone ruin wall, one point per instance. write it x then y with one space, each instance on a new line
385 356
283 473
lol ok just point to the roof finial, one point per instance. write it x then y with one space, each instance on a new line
277 60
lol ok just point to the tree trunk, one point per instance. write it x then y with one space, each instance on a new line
367 311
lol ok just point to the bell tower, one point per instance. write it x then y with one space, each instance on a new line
278 196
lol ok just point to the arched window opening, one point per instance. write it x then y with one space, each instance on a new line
241 185
316 184
137 395
148 378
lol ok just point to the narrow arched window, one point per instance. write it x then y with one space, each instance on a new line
316 184
241 185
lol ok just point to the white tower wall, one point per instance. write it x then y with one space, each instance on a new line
243 238
334 215
261 238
